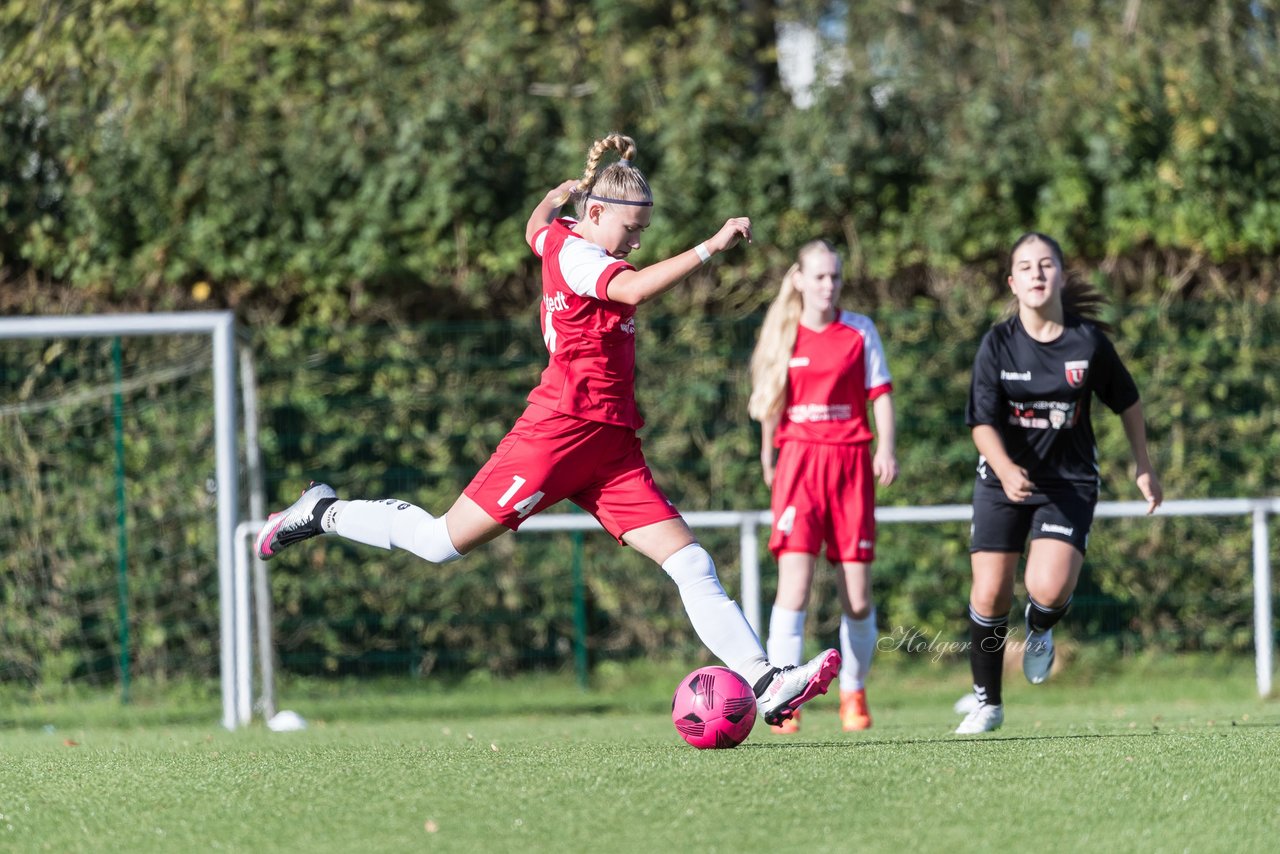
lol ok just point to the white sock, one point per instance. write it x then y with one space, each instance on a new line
857 645
786 637
391 523
717 619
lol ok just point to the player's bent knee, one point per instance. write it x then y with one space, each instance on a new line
417 531
690 565
432 542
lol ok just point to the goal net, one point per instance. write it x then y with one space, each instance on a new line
118 484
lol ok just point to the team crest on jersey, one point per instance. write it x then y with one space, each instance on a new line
1076 371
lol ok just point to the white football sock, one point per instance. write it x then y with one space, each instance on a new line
391 523
857 645
717 619
786 637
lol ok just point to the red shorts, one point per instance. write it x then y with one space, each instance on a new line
824 493
548 457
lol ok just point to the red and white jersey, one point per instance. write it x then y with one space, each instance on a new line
591 340
833 375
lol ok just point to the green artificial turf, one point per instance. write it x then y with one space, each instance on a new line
1140 756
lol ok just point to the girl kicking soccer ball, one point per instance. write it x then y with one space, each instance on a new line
577 437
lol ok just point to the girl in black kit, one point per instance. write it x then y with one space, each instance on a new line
1029 404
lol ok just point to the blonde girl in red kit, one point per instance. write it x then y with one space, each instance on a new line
577 438
814 371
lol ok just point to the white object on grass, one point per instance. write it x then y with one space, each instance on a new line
286 721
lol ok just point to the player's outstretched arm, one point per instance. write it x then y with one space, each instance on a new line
1135 429
633 287
548 209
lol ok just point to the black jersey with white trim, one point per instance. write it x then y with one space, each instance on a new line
1037 396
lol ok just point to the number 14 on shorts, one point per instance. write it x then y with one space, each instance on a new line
525 505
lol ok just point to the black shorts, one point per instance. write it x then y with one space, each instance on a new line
1060 513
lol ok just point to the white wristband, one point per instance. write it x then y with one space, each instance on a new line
704 254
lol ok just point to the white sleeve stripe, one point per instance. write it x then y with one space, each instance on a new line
585 267
877 368
610 273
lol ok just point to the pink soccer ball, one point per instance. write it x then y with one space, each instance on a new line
713 708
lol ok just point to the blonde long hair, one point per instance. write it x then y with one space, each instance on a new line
619 180
772 355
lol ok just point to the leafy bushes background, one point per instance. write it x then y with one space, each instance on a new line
353 180
328 160
412 413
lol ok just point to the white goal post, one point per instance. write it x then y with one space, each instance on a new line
220 326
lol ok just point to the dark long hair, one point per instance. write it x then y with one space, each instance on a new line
1078 296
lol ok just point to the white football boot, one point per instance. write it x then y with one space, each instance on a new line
984 718
295 523
1037 656
792 687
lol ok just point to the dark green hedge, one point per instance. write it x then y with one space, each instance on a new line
359 173
325 160
412 412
